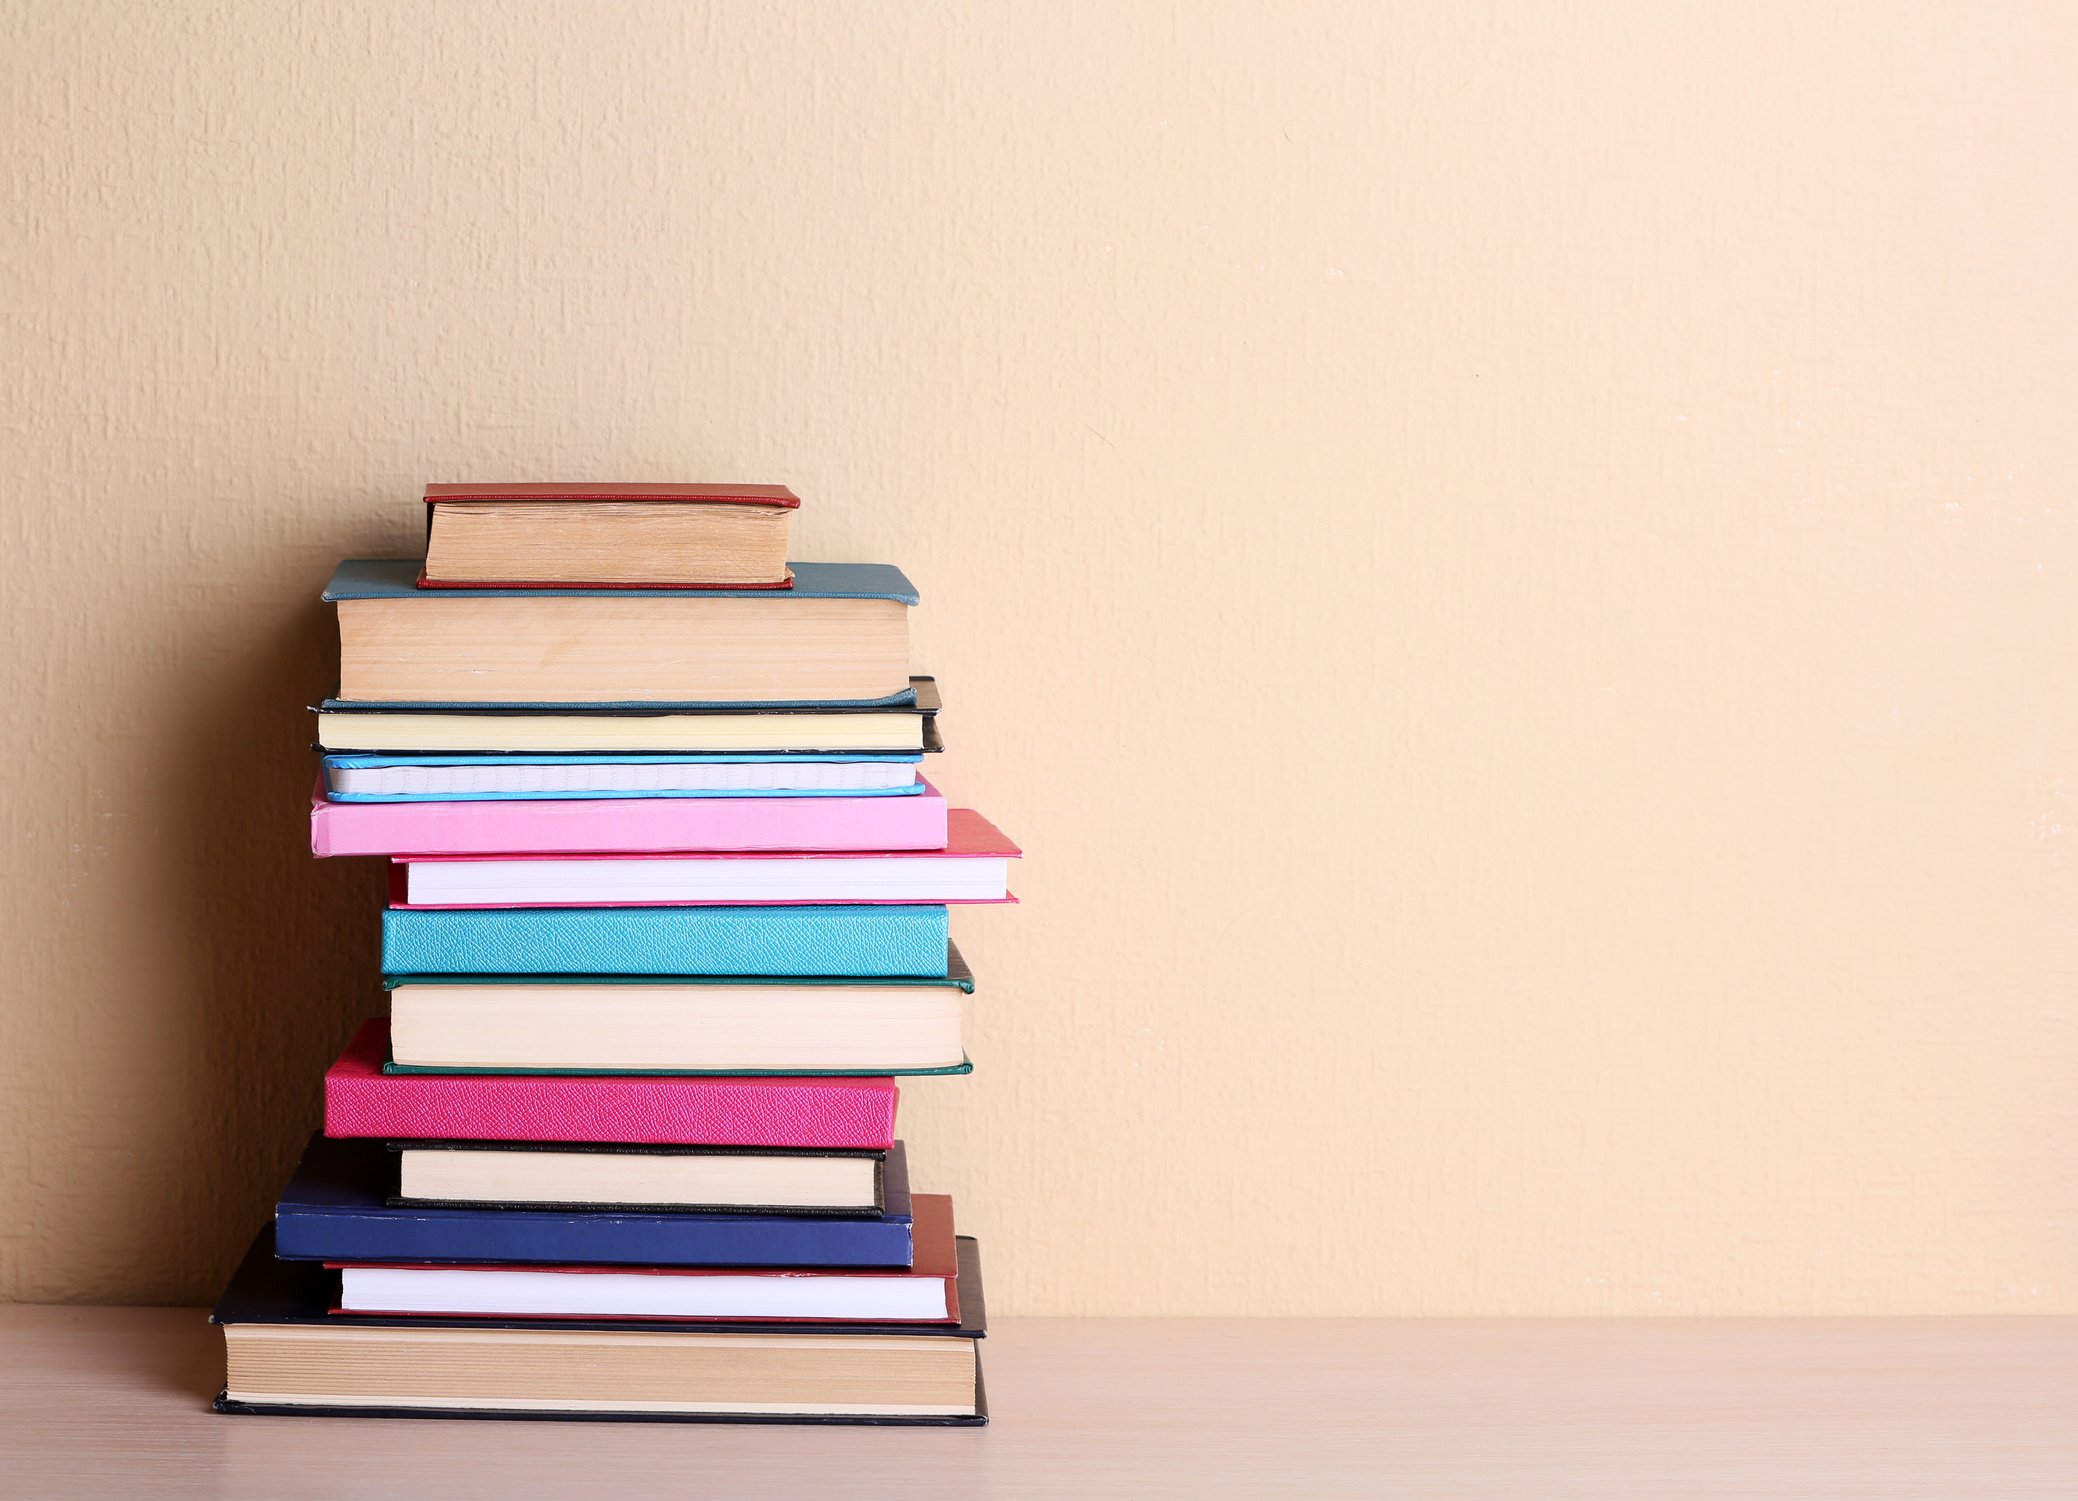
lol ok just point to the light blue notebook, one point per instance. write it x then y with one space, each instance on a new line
864 941
335 766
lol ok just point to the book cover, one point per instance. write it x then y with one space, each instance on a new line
626 1295
624 825
844 643
397 578
269 1291
963 1067
861 941
922 697
356 777
336 1208
957 973
665 1109
588 500
589 729
957 977
711 495
889 1167
969 867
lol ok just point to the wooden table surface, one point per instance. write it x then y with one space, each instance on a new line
113 1402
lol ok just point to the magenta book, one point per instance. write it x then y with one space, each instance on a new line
653 1110
629 825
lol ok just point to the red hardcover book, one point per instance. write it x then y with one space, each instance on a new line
654 1110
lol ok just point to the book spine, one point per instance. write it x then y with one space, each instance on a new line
645 825
634 1110
586 1238
858 941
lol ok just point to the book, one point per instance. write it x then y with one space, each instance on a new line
288 1352
336 1208
927 1292
662 1109
909 726
673 536
615 825
578 1175
453 779
840 635
863 941
538 1024
974 866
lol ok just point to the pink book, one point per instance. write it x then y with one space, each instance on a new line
613 825
973 866
636 1109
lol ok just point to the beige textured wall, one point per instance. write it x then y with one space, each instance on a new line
1514 566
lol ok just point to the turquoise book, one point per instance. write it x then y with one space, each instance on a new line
863 940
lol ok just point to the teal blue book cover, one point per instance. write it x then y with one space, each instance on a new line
862 941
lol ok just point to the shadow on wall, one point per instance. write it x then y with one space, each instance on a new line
277 950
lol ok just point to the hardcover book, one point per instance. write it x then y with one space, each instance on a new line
607 536
663 1109
973 866
856 941
489 778
684 1025
839 636
927 1292
617 825
287 1352
336 1208
910 724
577 1175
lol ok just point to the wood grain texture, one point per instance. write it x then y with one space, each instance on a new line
111 1402
1514 566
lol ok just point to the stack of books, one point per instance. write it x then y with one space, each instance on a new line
667 918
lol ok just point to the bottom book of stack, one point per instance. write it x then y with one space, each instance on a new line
374 1333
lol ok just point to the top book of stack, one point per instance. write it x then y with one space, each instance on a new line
621 536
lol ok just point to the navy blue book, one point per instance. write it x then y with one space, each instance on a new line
337 1208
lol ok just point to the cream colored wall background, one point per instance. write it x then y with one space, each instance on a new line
1513 565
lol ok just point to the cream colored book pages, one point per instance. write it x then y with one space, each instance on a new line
585 1370
768 1181
718 1027
607 542
605 649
